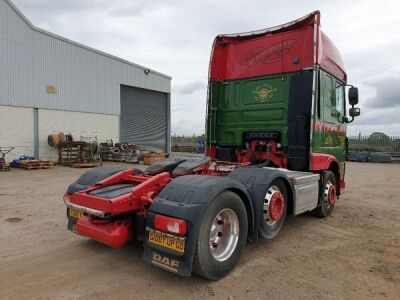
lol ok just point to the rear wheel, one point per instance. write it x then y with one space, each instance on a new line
222 237
327 195
274 209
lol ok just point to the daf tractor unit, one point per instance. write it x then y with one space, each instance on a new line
276 143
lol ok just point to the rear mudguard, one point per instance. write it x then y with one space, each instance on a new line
94 176
188 197
256 180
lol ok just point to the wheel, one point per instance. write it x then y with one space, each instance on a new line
222 237
327 195
274 209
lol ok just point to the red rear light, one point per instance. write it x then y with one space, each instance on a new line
169 224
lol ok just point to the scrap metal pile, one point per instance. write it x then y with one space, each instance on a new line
120 152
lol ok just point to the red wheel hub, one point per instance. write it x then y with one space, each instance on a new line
332 194
276 206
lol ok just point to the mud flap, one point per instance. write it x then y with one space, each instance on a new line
72 224
186 198
175 264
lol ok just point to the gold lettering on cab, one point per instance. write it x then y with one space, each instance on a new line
267 55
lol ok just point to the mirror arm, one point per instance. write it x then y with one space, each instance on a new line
345 84
349 121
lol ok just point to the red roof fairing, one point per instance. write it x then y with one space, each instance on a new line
330 59
281 49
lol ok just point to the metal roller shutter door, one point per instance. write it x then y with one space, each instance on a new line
144 118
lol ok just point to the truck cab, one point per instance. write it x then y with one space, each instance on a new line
277 97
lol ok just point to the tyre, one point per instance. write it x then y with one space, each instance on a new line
274 209
327 195
222 237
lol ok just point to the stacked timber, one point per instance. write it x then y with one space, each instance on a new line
35 164
84 165
150 158
192 148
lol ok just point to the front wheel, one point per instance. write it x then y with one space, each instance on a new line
327 195
222 237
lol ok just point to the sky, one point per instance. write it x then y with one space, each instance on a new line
175 37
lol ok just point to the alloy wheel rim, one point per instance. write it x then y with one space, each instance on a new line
329 194
224 234
274 205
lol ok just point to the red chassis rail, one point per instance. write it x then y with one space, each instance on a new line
110 220
143 192
145 188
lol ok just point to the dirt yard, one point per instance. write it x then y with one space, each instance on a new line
354 254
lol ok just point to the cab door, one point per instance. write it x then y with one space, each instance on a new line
331 113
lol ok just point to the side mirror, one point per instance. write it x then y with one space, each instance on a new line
353 96
354 112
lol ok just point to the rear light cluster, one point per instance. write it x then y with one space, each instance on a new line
171 225
66 198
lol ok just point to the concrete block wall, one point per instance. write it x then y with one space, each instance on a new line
17 123
16 129
78 124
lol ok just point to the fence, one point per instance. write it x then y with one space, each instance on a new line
389 144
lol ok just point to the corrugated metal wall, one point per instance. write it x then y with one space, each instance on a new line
144 119
86 79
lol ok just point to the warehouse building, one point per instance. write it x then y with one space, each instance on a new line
49 84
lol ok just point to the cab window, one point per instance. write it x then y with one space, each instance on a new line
328 97
340 98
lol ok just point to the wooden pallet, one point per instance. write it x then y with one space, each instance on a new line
5 168
73 154
84 165
150 158
35 167
35 164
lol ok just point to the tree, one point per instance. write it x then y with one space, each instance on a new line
379 136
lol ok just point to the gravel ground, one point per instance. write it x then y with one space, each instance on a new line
353 254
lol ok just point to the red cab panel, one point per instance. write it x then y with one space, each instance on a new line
287 48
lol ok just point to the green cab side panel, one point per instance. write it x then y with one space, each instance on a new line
254 104
329 134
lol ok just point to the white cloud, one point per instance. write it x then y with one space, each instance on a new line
189 87
175 37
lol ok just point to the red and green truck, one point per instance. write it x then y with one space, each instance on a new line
276 144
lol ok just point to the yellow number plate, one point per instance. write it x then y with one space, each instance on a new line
75 213
169 242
